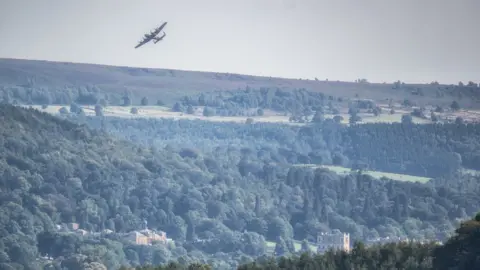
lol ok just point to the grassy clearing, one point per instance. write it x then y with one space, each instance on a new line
269 117
270 246
164 112
470 172
391 118
374 174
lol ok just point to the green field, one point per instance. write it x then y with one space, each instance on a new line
165 112
382 118
470 172
391 118
374 174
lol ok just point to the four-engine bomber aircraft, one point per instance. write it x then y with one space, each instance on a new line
153 36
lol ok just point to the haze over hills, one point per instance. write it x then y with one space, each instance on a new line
221 191
170 85
217 202
119 167
225 192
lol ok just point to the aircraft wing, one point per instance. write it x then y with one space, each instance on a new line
159 29
143 42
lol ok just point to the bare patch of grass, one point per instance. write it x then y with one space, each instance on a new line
375 174
165 112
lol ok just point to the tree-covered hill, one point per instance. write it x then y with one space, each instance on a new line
461 252
219 207
39 82
303 105
433 150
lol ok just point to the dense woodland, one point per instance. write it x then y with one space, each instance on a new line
434 150
230 185
254 101
461 252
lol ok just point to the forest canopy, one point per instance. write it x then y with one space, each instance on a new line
461 252
221 191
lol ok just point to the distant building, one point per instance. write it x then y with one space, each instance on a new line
137 238
154 235
335 240
147 237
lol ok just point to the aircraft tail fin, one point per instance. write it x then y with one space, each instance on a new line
157 39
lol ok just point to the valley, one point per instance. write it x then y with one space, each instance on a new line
230 167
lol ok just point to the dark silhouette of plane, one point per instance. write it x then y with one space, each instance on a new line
152 36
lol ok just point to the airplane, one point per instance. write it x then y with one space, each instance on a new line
152 36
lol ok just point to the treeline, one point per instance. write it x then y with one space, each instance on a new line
30 94
461 252
429 150
300 104
219 206
252 102
225 103
87 89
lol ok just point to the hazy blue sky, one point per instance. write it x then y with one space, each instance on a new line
382 40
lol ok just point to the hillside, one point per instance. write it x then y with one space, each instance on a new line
429 150
461 252
54 172
65 80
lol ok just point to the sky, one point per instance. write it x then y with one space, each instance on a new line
379 40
